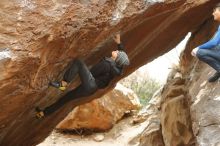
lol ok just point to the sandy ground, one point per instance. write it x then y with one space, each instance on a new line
122 134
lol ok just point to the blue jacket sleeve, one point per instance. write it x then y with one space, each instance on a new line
213 42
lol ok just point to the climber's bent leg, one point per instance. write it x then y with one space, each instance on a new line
211 57
87 88
63 100
77 66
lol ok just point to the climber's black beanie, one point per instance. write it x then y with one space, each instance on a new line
122 59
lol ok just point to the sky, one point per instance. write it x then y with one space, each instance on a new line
161 66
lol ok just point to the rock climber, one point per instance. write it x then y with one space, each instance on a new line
209 52
98 77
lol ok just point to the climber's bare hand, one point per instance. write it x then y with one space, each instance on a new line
194 51
117 38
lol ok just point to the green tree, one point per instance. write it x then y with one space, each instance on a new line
143 85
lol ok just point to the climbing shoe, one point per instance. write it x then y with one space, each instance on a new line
215 77
39 113
58 85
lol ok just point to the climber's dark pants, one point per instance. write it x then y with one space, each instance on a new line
210 56
87 87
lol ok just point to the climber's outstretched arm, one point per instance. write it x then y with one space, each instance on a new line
117 39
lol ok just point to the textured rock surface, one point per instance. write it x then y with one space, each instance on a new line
101 114
175 115
42 36
204 96
205 108
152 135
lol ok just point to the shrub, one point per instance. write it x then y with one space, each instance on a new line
143 85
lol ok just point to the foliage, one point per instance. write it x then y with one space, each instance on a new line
142 84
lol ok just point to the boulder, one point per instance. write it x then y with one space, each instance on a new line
152 134
205 106
175 114
101 114
43 36
203 96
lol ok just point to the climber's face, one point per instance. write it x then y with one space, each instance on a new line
216 14
114 54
